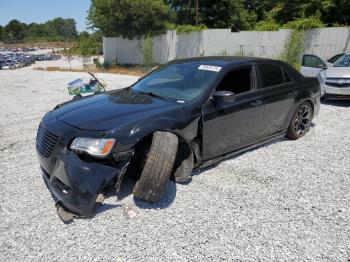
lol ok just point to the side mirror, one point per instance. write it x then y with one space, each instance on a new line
322 66
224 96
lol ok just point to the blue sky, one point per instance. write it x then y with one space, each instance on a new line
39 11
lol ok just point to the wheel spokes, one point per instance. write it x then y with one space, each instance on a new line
303 119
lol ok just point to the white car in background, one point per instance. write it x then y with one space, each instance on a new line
334 78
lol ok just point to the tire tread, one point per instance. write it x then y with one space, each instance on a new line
158 167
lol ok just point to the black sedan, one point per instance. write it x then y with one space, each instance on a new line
185 114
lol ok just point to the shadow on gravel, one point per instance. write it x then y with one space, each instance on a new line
341 103
201 170
168 197
105 207
126 190
167 200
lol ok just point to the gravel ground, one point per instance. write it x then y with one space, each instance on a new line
287 201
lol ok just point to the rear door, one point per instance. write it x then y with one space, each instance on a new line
312 65
279 91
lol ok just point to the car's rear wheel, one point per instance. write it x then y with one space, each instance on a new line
158 165
301 121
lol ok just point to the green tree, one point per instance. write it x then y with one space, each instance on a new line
214 13
147 51
284 11
304 23
83 35
58 29
336 12
129 18
1 32
293 48
14 31
62 28
69 53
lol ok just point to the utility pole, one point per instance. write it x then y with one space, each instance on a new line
197 14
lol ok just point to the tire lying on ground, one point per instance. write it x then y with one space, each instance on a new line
301 121
157 168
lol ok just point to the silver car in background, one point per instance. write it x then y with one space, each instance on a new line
334 78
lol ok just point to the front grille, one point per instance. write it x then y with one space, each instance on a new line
338 82
45 141
61 186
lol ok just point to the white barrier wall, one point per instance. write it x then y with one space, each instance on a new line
324 42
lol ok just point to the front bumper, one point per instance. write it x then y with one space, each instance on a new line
76 184
331 92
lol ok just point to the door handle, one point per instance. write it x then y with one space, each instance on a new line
256 103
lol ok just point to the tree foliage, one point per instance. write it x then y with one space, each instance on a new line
58 29
1 32
143 17
14 31
267 25
293 48
304 23
329 12
129 18
214 13
147 51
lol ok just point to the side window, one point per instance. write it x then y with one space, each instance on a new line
237 81
312 61
287 77
271 75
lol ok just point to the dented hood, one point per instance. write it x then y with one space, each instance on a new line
109 110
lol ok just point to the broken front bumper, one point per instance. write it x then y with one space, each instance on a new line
75 184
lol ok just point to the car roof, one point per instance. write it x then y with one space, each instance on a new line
223 60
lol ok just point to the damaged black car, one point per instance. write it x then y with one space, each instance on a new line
184 115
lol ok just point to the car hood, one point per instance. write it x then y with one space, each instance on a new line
110 110
338 72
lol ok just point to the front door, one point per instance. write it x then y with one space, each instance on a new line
312 65
229 126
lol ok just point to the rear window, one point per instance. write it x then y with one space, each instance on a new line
271 75
287 77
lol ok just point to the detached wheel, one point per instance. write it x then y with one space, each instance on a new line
157 168
301 121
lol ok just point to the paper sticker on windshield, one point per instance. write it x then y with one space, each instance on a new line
210 68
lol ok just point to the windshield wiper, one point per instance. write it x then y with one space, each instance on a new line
154 95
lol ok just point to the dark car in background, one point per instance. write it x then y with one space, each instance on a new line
13 60
185 114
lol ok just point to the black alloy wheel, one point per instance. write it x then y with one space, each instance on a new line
301 121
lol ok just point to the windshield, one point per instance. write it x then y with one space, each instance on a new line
334 59
182 82
344 61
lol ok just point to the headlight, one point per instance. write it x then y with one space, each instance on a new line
94 147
